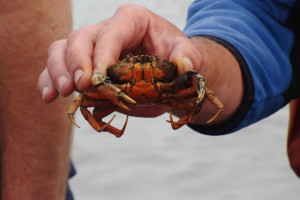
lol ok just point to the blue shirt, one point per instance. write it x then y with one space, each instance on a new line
258 35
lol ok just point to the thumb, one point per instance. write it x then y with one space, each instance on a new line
187 57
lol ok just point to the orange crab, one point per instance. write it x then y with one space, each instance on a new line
142 80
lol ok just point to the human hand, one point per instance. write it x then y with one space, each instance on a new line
133 29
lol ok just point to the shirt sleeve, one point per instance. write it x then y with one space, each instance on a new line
254 32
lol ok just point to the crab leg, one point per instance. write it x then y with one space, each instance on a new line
176 125
185 119
81 101
74 106
113 130
100 113
210 95
91 119
198 85
194 109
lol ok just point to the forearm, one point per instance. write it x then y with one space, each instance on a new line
35 137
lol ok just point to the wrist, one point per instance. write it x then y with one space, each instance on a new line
223 76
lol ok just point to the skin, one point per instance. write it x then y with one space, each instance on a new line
35 137
136 30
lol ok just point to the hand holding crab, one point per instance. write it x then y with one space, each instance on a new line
134 29
143 80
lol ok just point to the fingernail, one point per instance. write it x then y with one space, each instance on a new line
61 82
95 71
44 92
184 63
77 76
188 63
100 69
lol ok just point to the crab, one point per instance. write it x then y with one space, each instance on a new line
138 81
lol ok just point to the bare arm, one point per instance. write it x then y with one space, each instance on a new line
35 137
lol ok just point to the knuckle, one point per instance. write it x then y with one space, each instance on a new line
86 29
73 35
73 55
131 8
73 66
74 59
56 44
52 67
81 32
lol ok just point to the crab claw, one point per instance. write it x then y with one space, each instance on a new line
115 95
125 98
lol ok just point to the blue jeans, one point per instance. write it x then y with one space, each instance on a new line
69 195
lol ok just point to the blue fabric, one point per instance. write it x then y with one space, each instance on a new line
255 29
69 195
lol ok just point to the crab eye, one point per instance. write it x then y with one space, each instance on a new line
97 79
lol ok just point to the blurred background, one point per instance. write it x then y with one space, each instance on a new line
151 161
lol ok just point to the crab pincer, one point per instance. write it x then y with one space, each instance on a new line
110 92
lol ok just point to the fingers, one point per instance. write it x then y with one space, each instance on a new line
69 64
56 77
135 28
46 88
123 32
186 56
91 49
57 68
79 55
